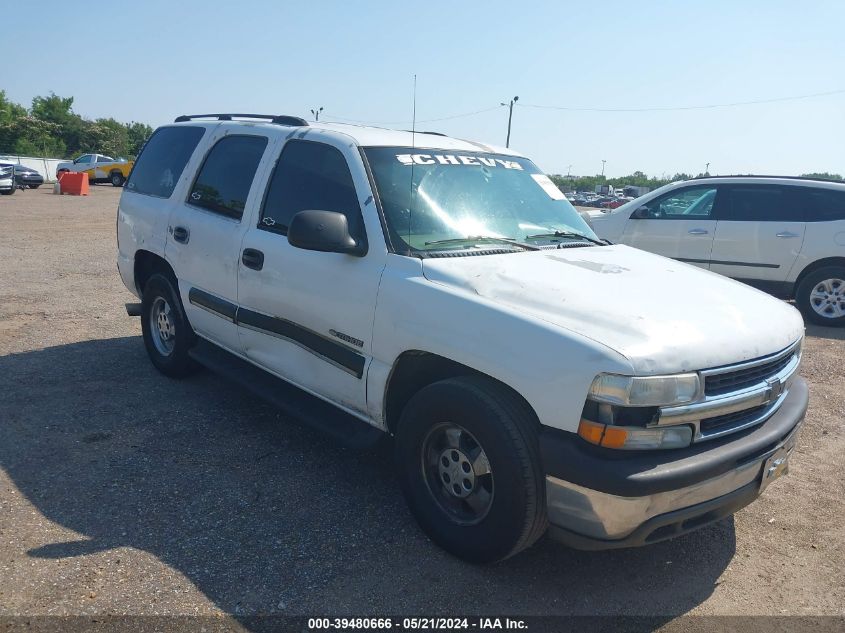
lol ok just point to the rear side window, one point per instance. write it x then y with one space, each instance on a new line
310 175
226 176
822 205
163 160
691 203
761 204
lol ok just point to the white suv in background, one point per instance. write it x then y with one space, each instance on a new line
782 235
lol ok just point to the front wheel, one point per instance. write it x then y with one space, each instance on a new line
469 466
117 179
8 192
821 296
167 334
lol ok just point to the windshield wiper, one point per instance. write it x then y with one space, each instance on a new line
570 234
483 238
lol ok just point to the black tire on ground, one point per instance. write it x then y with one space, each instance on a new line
830 284
161 309
9 192
490 418
116 179
34 186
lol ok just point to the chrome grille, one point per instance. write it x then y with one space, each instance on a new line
737 397
717 384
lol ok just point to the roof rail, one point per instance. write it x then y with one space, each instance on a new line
281 119
769 176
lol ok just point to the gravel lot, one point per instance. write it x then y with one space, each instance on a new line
124 492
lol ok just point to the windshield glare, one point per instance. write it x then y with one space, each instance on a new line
455 195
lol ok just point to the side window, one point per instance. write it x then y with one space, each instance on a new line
163 160
226 176
761 203
104 159
85 158
821 205
689 203
310 175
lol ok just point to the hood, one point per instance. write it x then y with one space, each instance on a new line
664 316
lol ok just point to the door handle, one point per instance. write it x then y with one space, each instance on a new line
253 258
181 234
698 232
787 234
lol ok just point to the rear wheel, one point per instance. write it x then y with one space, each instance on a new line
117 179
821 296
469 465
167 334
9 192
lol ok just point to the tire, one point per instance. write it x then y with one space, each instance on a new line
34 186
8 192
167 334
505 512
117 179
821 296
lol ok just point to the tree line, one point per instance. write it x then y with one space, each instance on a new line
51 129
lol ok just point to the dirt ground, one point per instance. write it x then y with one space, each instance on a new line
124 492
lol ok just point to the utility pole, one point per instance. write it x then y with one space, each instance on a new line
316 113
603 161
510 117
568 170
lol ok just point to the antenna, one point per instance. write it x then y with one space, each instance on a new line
412 192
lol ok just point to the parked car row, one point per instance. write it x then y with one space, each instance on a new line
782 235
13 177
597 200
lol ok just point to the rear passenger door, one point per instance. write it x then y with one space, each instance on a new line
205 232
759 232
678 224
307 316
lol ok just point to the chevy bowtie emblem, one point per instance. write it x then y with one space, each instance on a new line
775 388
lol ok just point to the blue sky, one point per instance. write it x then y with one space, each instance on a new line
150 61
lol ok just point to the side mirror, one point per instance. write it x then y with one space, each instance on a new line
642 213
324 231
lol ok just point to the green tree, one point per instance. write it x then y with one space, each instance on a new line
28 136
822 176
137 134
9 111
54 109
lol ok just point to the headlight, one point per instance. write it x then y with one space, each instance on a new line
635 438
645 391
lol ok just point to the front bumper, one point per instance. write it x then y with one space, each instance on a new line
598 499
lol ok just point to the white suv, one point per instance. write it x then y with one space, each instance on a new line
783 235
444 292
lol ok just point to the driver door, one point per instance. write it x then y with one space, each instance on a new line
679 224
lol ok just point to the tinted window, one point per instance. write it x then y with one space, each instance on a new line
105 159
163 160
85 158
761 204
821 205
310 175
226 175
690 203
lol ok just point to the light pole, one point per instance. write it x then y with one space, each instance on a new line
603 161
707 169
316 113
568 170
510 117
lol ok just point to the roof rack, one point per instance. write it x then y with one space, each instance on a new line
769 176
281 119
422 132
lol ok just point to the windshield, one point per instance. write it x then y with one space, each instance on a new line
465 200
